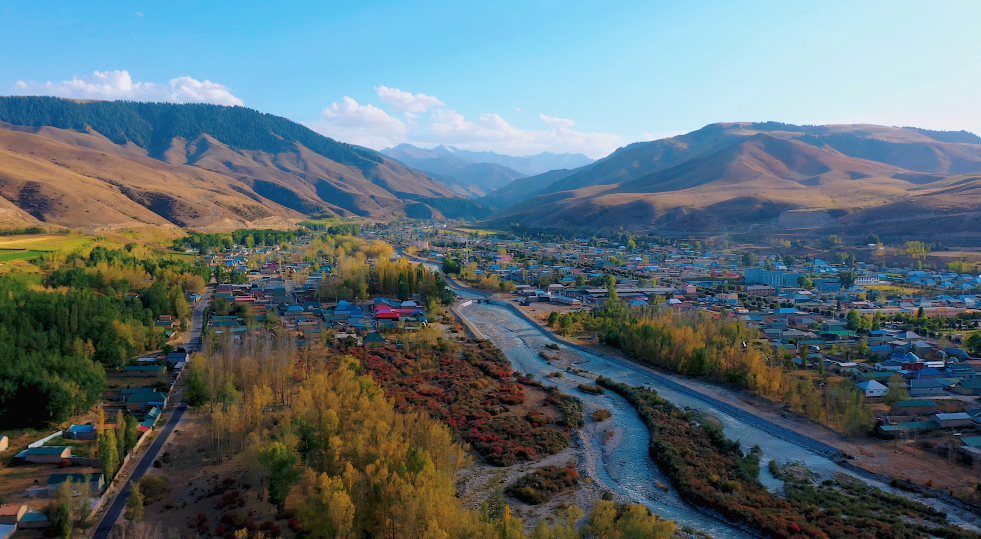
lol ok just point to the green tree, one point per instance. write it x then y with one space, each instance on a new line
972 344
197 393
580 280
847 278
805 282
61 511
108 454
280 464
897 390
134 504
611 283
130 434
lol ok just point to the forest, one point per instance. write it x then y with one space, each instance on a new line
59 333
711 471
340 459
151 125
219 242
722 350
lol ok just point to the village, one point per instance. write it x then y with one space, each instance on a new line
901 335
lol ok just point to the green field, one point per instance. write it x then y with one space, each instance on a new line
7 255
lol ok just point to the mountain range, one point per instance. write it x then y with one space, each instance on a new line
101 164
735 177
97 164
477 174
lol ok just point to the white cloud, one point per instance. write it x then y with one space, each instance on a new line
558 122
428 123
492 132
365 125
111 85
407 101
518 109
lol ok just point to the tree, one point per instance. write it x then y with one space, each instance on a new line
872 239
834 239
972 344
580 281
108 454
897 390
130 435
197 393
847 278
84 504
280 463
805 282
611 283
61 512
134 504
327 511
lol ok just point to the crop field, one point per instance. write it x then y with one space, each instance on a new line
16 252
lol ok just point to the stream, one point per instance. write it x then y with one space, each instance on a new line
622 464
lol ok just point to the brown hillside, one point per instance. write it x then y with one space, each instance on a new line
745 176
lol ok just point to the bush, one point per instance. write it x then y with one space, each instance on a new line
588 388
541 485
154 487
601 415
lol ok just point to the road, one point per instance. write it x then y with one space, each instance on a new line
197 321
192 343
119 504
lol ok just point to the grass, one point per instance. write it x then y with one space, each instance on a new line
7 255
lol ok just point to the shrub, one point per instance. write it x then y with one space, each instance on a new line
601 415
541 485
589 388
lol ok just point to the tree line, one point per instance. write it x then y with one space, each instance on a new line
60 333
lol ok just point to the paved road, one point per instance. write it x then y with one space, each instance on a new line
197 321
119 504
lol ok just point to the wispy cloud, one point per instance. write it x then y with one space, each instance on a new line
429 122
113 85
560 122
407 101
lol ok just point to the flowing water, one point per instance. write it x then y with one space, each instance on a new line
620 461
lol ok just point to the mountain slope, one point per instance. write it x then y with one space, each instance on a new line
478 179
731 177
444 159
256 166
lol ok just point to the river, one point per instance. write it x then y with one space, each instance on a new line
623 465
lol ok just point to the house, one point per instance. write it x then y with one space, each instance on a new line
12 513
968 387
45 454
174 358
145 371
33 520
96 481
81 432
374 339
871 388
952 420
145 399
914 407
925 387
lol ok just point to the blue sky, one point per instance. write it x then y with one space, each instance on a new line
514 77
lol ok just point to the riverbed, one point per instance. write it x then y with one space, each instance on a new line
620 461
